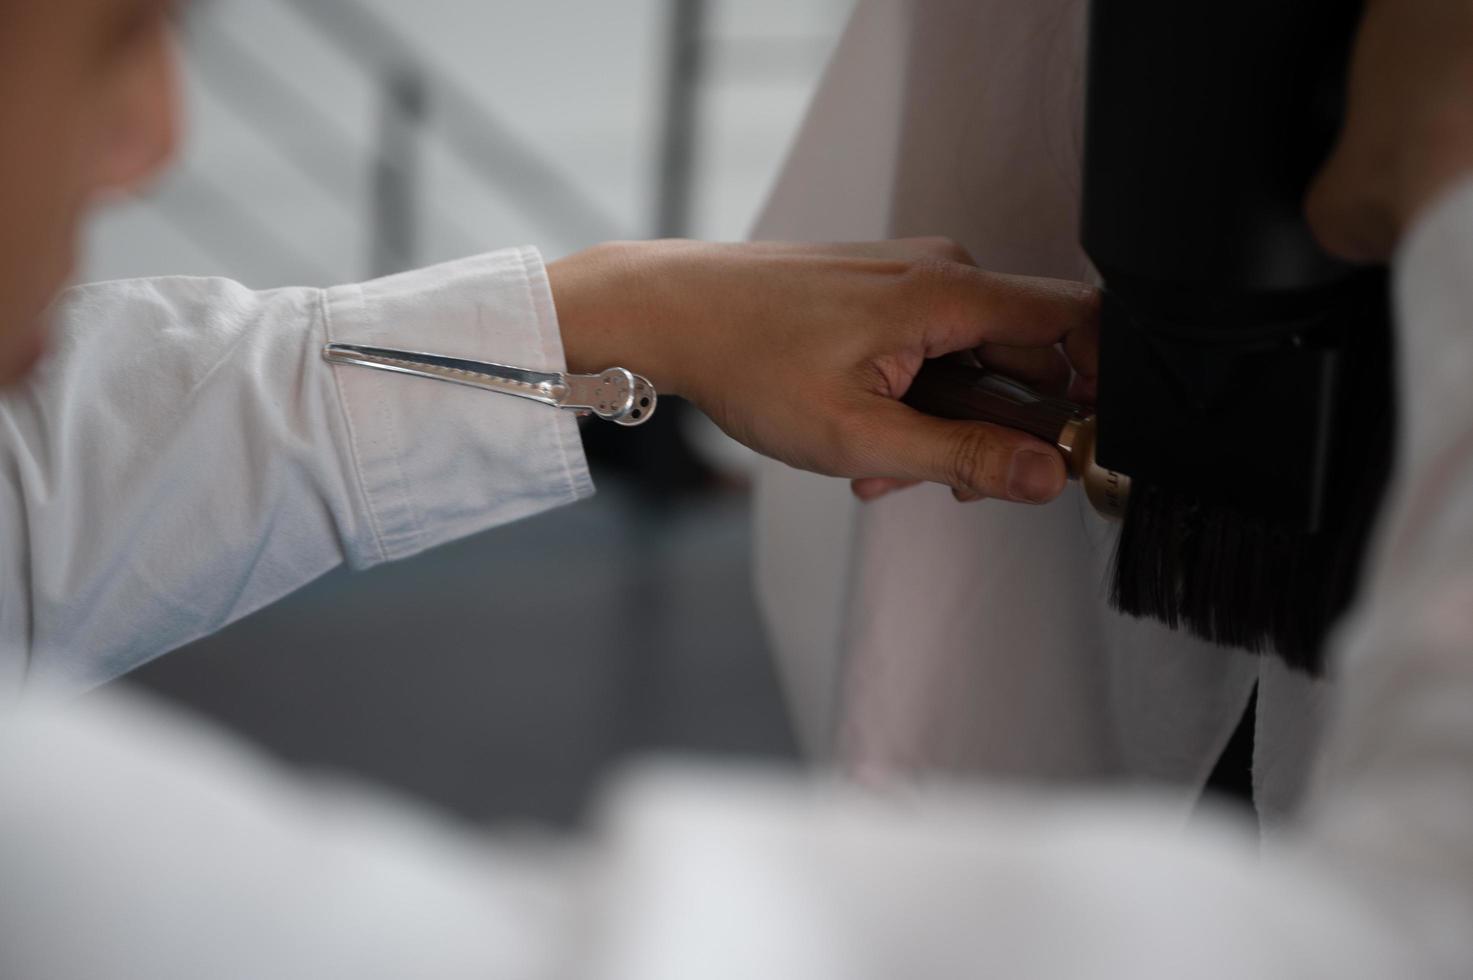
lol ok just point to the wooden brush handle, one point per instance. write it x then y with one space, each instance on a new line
952 389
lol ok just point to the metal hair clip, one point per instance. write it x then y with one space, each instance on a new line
617 395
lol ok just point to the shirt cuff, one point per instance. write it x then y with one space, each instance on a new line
1434 297
437 461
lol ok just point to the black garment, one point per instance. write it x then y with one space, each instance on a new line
1232 778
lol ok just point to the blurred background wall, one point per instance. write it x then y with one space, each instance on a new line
334 140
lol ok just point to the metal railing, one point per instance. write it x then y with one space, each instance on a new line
694 60
417 104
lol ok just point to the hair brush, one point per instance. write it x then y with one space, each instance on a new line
1235 578
1245 374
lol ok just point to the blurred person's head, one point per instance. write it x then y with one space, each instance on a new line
88 109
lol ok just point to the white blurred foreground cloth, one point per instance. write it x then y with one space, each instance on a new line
917 635
134 844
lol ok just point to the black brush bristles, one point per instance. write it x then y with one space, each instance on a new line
1218 575
1244 582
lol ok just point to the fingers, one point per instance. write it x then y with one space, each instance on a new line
802 350
1021 311
957 306
873 488
965 308
1044 369
977 459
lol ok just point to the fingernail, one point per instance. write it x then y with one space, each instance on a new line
1035 477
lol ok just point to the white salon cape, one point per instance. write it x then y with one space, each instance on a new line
919 636
186 456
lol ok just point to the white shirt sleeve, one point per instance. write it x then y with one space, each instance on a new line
185 456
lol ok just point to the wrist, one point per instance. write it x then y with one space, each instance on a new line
608 315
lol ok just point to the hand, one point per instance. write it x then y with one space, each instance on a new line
802 352
1409 130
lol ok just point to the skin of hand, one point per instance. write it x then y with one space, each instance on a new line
803 351
1408 134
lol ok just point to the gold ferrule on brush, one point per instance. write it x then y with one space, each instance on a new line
1108 491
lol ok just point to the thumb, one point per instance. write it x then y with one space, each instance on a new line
976 457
